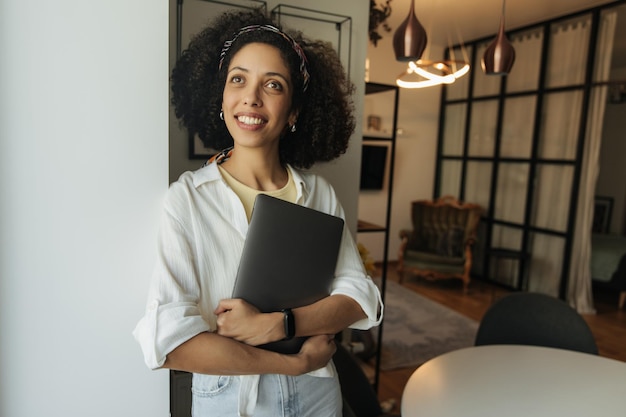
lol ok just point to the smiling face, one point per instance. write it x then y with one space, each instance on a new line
257 96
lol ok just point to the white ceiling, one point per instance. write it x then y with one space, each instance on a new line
475 19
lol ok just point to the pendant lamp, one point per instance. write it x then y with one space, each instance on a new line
409 40
500 54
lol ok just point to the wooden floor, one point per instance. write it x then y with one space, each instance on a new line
608 324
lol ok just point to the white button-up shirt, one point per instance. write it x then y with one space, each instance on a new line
200 242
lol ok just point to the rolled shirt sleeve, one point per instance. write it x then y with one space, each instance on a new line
164 327
351 280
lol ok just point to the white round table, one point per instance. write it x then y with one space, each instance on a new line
514 380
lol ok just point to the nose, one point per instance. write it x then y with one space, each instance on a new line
252 97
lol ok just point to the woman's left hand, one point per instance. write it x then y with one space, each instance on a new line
242 321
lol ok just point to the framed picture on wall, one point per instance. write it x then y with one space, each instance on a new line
197 150
602 211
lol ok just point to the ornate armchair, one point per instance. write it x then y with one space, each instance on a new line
440 244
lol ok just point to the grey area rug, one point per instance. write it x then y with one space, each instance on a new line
416 329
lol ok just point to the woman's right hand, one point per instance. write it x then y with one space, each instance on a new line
317 351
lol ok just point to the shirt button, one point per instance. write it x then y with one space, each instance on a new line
153 305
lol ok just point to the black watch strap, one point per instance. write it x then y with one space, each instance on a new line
290 324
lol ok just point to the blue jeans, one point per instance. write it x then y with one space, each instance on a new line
279 396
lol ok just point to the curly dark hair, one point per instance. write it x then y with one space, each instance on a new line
326 110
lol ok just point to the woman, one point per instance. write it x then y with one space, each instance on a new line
278 105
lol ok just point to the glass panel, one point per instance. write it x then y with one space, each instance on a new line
517 127
459 89
560 125
450 178
478 183
483 128
546 263
511 189
567 64
524 75
484 85
505 269
553 187
504 237
610 56
454 128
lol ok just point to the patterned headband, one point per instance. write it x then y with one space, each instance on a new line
269 28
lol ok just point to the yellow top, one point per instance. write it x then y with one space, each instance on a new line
247 194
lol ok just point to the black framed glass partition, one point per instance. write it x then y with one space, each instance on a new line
518 145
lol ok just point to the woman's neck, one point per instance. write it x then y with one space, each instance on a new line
257 169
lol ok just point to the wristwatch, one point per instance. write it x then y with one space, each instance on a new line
290 324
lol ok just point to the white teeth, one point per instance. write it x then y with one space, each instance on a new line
250 120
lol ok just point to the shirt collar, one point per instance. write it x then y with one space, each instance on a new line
302 192
211 173
206 174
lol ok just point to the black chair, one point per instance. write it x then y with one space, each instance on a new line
359 397
535 319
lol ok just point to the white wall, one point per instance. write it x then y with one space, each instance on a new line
416 147
83 160
343 173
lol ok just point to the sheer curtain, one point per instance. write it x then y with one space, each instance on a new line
567 59
558 137
561 114
579 288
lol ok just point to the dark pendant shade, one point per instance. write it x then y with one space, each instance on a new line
409 40
499 55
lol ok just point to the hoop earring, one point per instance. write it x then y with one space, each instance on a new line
222 114
293 128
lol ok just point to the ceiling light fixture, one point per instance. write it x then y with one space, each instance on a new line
409 43
499 56
425 73
409 40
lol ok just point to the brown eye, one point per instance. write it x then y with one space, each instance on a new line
275 85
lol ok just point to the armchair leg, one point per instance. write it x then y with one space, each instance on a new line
622 299
466 280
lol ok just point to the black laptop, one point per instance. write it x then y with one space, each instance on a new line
288 260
